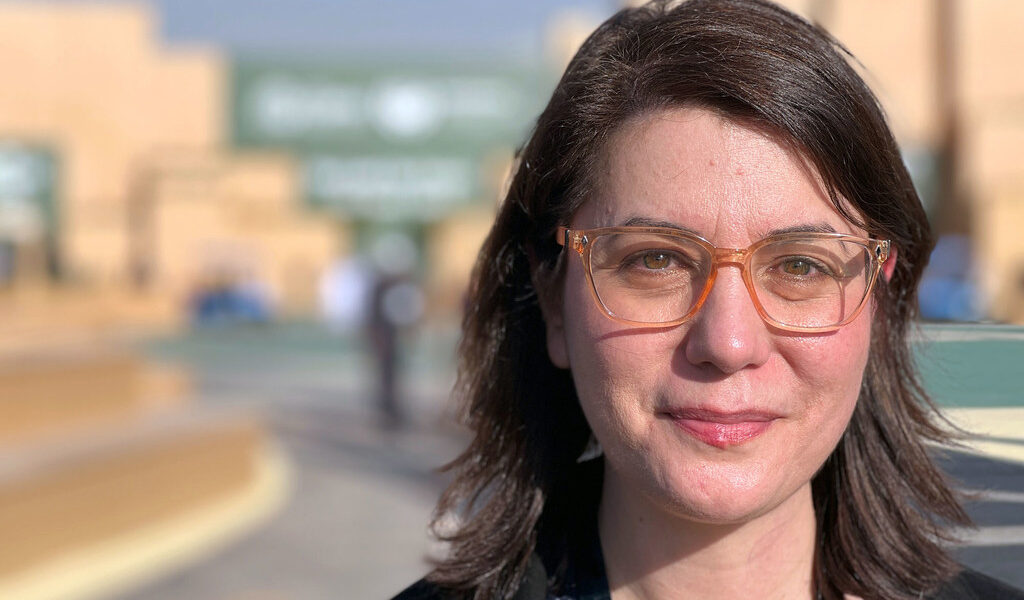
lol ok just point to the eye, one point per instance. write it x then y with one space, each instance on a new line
656 260
802 267
797 267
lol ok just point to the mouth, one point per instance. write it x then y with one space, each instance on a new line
721 429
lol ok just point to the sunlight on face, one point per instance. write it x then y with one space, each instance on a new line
723 418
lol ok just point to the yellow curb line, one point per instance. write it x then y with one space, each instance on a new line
137 558
1005 423
1000 535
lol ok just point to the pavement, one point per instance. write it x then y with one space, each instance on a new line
354 523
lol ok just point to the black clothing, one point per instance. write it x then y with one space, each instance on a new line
968 585
585 579
577 572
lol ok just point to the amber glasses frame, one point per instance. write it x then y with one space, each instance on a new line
581 240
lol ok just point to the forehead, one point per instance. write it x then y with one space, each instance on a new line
716 176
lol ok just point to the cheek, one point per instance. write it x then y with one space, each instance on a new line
838 359
615 378
616 369
832 367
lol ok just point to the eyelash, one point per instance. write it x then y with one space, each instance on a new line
637 259
818 266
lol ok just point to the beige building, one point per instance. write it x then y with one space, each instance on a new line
146 192
113 168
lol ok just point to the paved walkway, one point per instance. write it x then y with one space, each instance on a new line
361 496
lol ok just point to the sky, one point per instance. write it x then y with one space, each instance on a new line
505 28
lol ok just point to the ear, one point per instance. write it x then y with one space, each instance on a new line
890 264
557 351
550 300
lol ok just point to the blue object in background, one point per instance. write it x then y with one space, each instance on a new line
948 291
229 305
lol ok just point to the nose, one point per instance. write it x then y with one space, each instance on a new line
727 333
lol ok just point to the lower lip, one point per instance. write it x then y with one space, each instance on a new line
721 435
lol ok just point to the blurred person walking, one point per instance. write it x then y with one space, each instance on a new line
396 305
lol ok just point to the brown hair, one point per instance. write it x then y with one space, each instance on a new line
883 508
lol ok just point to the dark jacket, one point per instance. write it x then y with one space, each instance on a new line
968 585
582 576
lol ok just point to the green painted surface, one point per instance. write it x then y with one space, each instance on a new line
973 365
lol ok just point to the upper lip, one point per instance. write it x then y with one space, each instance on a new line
725 417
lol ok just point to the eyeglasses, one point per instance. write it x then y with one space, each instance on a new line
806 282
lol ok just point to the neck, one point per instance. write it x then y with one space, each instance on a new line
651 553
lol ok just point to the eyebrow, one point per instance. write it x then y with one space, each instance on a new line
820 227
648 222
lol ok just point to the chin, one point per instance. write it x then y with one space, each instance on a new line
717 494
732 511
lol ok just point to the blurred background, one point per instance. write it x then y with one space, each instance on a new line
235 238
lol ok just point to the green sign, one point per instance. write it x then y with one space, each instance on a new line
386 142
385 187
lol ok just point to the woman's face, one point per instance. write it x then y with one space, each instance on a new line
722 418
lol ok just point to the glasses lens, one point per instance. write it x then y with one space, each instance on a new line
650 278
811 282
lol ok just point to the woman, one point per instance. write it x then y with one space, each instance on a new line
685 358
